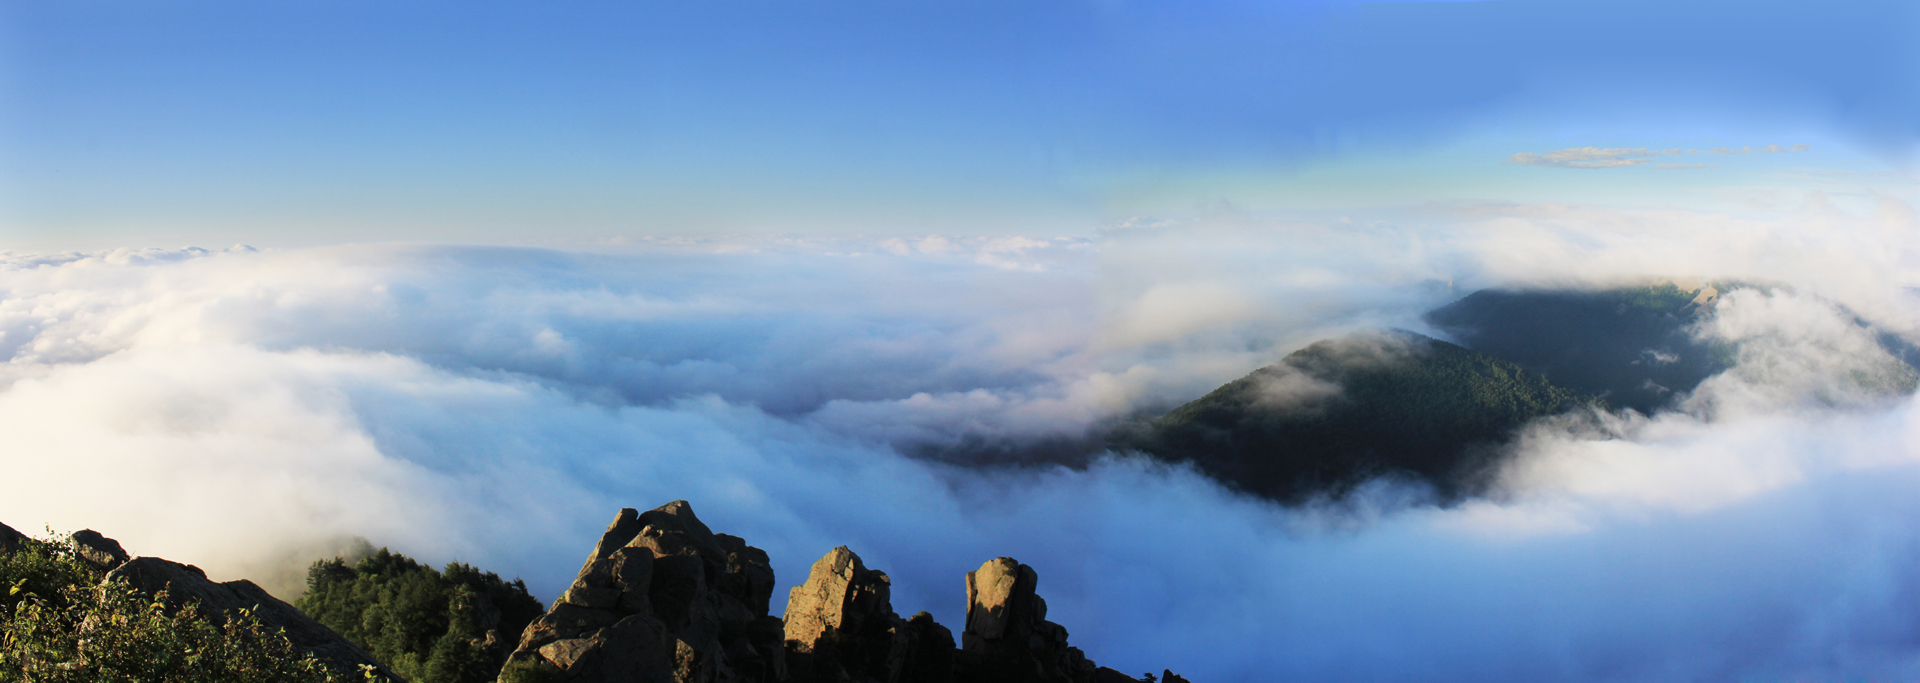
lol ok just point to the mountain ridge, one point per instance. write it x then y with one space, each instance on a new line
1340 412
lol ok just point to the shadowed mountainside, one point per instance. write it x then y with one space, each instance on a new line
1339 412
1630 346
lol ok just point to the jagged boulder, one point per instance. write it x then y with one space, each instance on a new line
662 598
930 651
1008 637
186 585
103 553
841 627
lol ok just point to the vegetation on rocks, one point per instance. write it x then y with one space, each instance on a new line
61 622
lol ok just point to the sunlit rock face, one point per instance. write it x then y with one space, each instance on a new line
1008 637
663 598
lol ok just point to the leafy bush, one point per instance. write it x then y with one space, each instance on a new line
456 625
60 625
41 570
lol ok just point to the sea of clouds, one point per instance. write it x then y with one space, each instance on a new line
933 402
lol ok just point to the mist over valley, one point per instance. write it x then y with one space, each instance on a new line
254 410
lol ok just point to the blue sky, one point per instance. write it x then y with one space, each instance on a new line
135 124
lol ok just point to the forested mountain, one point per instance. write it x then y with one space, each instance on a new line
1631 346
1339 412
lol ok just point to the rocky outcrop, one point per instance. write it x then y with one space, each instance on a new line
11 540
186 585
662 598
1008 637
103 553
840 626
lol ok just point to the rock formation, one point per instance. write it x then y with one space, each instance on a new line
103 553
1008 637
187 585
10 540
840 626
663 598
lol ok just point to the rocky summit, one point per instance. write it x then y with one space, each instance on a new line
663 598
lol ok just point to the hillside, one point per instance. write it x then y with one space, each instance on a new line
1631 346
1339 412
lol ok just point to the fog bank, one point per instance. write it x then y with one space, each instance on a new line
235 408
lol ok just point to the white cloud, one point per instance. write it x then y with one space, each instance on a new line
1769 149
1585 157
496 405
1616 157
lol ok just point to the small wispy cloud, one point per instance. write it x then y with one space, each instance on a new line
1585 157
1769 149
1616 157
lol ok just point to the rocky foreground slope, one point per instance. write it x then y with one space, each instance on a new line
187 587
663 598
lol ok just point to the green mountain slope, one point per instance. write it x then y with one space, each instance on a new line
1339 412
1629 345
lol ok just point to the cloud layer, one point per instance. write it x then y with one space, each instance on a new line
496 406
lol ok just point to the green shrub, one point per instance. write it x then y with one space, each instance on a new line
428 626
60 625
41 569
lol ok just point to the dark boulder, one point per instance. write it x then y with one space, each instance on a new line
11 540
103 553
